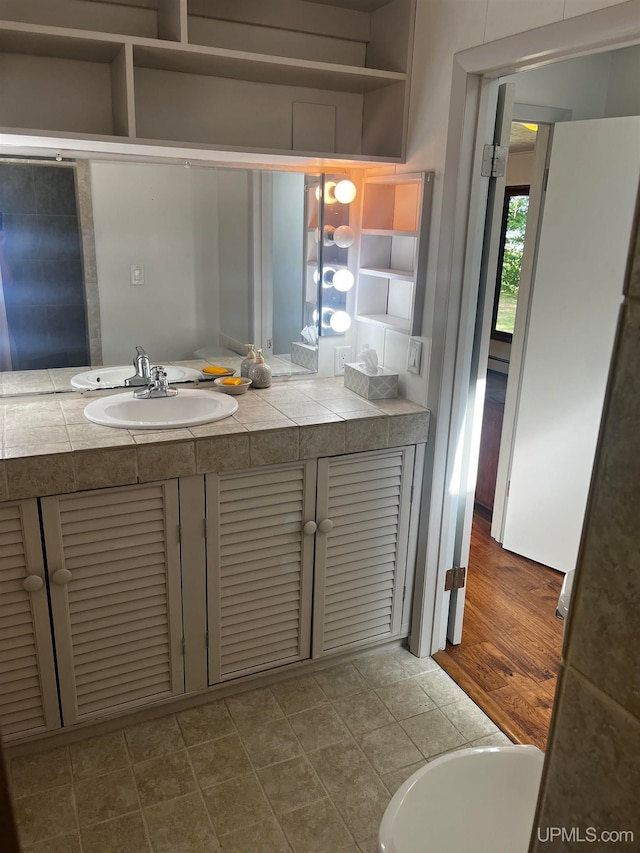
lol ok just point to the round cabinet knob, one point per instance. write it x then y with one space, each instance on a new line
309 528
325 526
32 583
62 577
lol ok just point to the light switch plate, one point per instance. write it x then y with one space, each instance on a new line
137 275
414 357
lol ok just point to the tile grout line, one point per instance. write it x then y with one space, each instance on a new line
147 833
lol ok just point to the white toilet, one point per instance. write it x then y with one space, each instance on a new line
478 800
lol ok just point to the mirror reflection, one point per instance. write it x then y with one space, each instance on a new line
191 263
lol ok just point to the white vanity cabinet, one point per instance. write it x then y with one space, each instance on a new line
28 692
149 591
114 575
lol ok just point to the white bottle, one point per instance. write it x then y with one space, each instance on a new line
247 362
260 373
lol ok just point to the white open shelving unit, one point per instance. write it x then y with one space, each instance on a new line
392 255
266 76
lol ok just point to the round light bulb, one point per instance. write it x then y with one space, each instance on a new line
327 314
330 235
315 315
343 236
345 191
340 321
343 280
328 277
316 276
330 192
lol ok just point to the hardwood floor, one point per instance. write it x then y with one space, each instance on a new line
511 639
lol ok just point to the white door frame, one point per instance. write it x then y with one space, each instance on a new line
471 117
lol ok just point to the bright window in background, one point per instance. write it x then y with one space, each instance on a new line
514 223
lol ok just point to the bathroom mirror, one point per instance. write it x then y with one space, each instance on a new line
189 262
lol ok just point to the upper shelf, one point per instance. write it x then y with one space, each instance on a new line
282 77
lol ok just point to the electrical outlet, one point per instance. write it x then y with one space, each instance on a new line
342 356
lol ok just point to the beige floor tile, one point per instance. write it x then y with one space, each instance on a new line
270 742
389 748
395 779
45 815
106 797
164 778
342 767
471 721
341 680
318 727
414 665
33 773
363 712
238 802
316 828
122 835
498 739
219 760
253 707
154 738
381 669
62 844
265 837
291 784
98 755
177 826
205 723
362 808
298 694
432 733
405 699
440 687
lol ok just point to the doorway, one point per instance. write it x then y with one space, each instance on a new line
522 673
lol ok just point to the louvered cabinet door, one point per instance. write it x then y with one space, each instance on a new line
364 501
259 567
113 563
28 691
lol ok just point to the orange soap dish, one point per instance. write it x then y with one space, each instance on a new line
235 385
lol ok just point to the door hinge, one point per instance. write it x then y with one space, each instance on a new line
455 578
494 161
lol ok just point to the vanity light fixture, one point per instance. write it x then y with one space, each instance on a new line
343 236
345 191
343 280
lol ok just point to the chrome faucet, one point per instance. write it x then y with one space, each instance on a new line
158 386
143 369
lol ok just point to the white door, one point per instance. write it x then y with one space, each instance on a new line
364 503
259 567
577 290
114 569
28 690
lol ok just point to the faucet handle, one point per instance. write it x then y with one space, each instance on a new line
140 351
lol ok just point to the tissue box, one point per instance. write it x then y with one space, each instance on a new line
382 385
304 355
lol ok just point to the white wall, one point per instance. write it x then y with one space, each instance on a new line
623 96
234 258
163 217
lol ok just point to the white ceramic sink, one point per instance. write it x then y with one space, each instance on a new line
113 377
188 408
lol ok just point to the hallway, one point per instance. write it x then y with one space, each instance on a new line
511 640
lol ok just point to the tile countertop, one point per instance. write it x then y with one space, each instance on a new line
48 447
